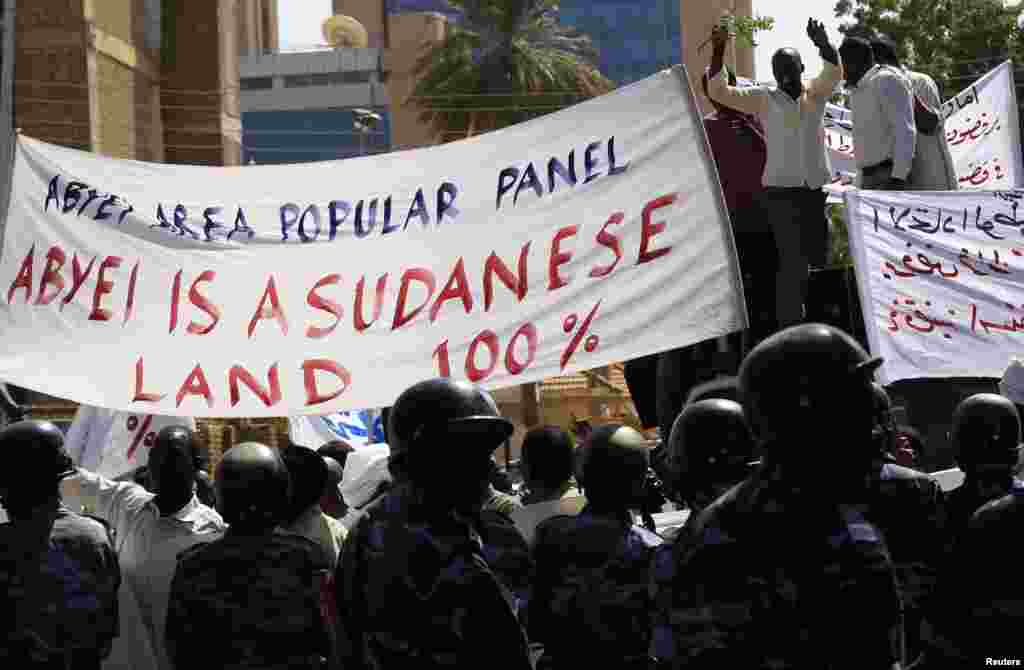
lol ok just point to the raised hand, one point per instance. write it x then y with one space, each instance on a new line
720 36
816 31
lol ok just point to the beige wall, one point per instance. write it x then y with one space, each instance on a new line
698 17
409 35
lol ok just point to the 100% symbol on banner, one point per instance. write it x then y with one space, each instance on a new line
515 365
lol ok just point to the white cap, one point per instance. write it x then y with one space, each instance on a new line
366 469
1011 386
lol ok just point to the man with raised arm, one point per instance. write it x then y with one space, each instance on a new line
791 113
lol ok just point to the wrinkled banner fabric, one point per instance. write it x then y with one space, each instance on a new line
941 280
589 236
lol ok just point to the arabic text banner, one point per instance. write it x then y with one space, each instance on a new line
588 236
941 279
981 129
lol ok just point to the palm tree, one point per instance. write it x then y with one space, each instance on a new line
505 62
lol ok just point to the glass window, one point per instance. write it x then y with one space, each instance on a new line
257 83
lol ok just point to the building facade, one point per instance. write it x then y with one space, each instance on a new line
298 107
153 80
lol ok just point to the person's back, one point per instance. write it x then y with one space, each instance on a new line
766 579
591 601
785 570
418 586
251 599
248 601
984 597
59 575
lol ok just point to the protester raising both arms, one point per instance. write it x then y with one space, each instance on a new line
796 169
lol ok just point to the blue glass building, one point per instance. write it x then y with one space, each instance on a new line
304 135
635 38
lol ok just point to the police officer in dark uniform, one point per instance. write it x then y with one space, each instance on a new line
59 573
710 450
785 570
252 599
417 587
982 594
986 441
591 601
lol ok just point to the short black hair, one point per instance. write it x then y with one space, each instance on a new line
338 450
884 50
857 46
548 455
308 473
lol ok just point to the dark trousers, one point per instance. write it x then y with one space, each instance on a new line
797 217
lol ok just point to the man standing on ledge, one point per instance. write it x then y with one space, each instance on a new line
884 133
796 168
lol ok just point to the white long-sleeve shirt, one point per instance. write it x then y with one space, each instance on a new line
883 120
148 544
793 128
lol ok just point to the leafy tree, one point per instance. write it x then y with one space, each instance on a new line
955 41
504 62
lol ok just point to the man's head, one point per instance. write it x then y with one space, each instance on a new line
614 468
337 450
710 449
308 474
986 436
172 467
253 488
443 433
37 465
788 68
857 57
331 502
808 385
885 52
547 458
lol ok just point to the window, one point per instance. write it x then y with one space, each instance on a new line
257 83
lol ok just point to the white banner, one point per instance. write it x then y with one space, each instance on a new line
592 235
981 128
114 443
357 429
941 279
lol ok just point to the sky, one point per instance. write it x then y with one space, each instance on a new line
791 31
301 20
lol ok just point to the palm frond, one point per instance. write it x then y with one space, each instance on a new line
506 62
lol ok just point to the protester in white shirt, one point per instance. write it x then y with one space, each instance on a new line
884 132
547 462
152 529
309 477
933 168
797 167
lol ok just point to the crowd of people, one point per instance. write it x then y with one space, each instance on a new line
807 544
786 560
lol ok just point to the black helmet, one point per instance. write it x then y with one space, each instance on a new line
710 449
172 459
808 377
252 486
613 465
37 449
441 413
986 430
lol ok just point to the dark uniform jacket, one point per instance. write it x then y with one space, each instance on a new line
591 599
249 602
418 593
58 593
769 578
